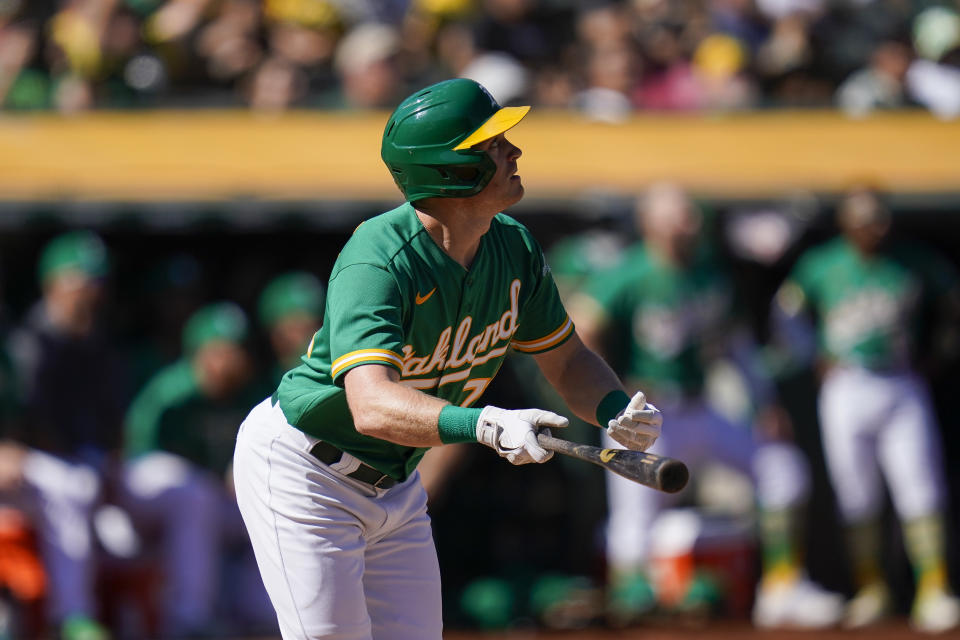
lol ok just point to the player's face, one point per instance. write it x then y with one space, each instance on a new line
865 222
76 298
869 237
505 187
290 334
222 368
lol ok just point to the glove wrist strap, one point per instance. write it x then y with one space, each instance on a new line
612 404
457 424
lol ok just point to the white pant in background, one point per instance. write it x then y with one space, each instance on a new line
59 496
189 512
173 501
873 423
697 435
339 558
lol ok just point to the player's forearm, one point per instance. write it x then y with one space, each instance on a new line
395 413
586 385
383 408
580 376
742 350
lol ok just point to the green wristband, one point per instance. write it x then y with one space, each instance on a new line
612 404
458 424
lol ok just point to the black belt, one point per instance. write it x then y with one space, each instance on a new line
329 454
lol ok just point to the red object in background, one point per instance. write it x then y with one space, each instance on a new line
21 570
733 563
686 543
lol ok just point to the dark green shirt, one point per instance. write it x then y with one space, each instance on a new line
172 414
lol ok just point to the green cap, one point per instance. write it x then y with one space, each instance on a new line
80 251
218 321
294 292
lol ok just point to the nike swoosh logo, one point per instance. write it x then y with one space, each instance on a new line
421 299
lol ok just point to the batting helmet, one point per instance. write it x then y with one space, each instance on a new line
428 138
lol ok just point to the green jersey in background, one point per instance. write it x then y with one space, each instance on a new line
662 317
870 310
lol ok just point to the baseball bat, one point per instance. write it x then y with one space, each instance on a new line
657 472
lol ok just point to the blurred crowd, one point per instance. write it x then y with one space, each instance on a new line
117 515
606 58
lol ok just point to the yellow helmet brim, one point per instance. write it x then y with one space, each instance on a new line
496 124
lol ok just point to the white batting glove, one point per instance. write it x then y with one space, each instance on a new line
637 427
513 434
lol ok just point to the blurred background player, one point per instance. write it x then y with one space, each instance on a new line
73 393
874 301
291 311
667 307
179 435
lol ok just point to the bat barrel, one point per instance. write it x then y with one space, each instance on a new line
672 475
665 474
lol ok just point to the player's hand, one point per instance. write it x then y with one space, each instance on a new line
637 427
513 434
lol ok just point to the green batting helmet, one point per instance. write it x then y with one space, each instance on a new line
428 138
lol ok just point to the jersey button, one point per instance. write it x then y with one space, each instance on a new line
469 282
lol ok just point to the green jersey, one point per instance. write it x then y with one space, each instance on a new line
172 414
575 259
662 316
395 298
870 310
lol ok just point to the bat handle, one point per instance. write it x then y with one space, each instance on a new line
554 444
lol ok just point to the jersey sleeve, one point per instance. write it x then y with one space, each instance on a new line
364 313
142 424
544 323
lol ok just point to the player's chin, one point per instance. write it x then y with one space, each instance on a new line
516 191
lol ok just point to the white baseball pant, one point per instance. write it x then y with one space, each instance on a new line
166 494
873 423
60 495
339 558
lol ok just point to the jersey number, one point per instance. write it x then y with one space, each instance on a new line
475 386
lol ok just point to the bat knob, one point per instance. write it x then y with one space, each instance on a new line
673 476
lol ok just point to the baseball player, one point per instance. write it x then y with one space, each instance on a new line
667 308
179 433
290 309
422 305
872 302
72 385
